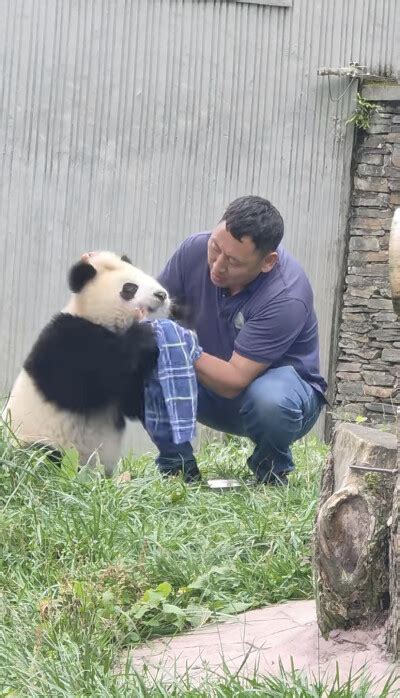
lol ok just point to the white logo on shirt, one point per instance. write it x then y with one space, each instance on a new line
238 320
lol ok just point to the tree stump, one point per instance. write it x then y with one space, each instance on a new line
393 633
393 630
351 545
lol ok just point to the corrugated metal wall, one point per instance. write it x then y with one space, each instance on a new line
128 124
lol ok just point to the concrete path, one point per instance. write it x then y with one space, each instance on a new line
259 639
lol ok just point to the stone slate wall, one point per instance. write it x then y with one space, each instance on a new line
368 365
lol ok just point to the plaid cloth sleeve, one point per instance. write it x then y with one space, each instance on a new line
171 392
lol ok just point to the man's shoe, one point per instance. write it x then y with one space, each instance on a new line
190 472
275 480
191 478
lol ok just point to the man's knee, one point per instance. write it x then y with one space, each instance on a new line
272 404
269 406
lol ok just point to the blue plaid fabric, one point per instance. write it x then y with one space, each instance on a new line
170 395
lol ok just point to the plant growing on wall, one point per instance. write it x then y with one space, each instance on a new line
363 113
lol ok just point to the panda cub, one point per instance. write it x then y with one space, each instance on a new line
85 372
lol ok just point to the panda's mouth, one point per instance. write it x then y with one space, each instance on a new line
161 309
152 309
161 301
158 309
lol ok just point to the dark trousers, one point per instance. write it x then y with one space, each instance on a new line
275 410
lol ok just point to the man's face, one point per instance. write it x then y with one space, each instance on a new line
235 263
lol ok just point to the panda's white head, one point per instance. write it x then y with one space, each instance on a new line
110 291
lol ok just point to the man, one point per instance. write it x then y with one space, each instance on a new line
253 313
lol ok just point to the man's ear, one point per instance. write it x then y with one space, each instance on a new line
80 274
269 261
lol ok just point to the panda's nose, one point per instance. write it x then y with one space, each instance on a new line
160 295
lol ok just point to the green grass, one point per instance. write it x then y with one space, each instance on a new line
287 684
89 566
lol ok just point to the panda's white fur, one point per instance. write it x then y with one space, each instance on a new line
100 326
33 420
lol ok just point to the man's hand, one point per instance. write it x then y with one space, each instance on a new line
227 378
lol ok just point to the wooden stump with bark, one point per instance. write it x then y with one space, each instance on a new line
352 533
393 627
393 631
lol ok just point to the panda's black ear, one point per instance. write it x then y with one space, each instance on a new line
79 275
126 259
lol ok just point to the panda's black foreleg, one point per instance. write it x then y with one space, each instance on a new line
141 353
132 397
78 365
81 366
139 348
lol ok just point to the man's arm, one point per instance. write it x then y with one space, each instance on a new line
227 378
260 343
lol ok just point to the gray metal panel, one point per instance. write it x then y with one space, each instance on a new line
276 3
128 125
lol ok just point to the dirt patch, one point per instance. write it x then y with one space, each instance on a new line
260 640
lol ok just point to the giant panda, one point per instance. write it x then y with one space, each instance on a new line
85 372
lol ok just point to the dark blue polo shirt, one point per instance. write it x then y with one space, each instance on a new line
271 321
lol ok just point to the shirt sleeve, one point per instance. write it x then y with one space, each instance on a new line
268 336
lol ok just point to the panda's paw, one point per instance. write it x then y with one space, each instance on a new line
140 347
182 314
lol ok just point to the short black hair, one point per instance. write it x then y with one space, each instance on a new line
256 218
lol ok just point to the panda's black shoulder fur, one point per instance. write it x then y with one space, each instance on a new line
81 366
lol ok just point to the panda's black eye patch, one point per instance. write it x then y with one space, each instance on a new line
128 291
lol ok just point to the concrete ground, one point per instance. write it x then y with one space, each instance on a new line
259 639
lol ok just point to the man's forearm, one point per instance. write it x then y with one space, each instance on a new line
219 376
